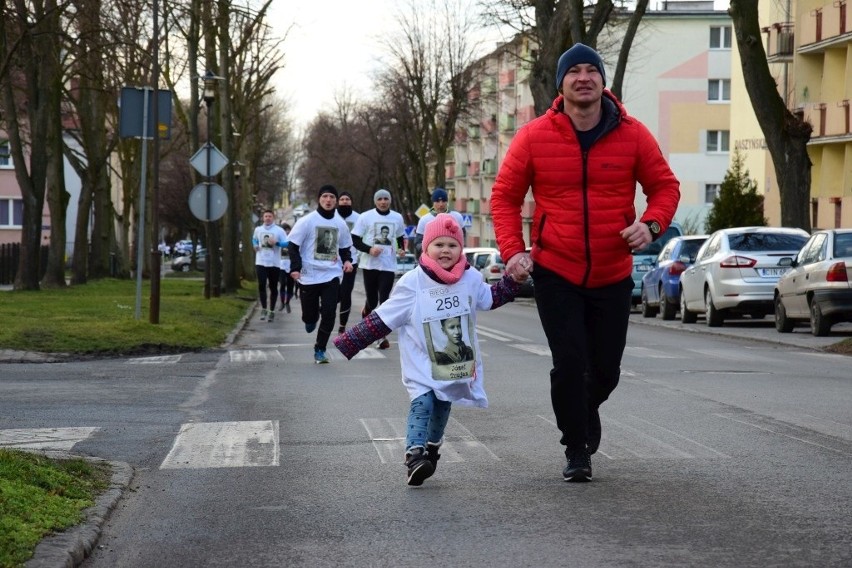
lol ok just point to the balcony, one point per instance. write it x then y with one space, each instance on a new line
831 122
780 42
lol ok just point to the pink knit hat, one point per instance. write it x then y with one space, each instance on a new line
443 225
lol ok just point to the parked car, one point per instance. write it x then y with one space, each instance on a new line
487 261
817 286
643 260
183 248
404 264
661 286
735 273
184 263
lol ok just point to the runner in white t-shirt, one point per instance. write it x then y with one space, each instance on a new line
350 217
439 205
267 241
379 234
434 309
319 256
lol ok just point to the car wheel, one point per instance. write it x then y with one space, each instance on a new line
648 311
685 315
184 268
820 326
782 323
714 317
667 308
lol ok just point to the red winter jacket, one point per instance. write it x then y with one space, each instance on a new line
582 202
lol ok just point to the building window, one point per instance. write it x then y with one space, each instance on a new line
720 37
719 90
11 213
718 140
711 192
5 155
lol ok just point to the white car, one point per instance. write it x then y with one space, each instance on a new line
818 286
735 273
487 261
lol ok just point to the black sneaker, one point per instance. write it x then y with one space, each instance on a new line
432 454
594 431
419 466
579 466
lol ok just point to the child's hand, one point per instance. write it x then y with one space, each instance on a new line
520 278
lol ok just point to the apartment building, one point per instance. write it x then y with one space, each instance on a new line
809 48
678 83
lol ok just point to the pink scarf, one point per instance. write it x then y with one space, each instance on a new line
444 276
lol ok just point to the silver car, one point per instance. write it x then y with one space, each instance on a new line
735 273
818 286
487 261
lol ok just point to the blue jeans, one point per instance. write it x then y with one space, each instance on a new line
427 419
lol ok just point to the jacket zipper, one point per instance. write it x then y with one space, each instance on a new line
586 217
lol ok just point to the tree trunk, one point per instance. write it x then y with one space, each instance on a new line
786 135
35 41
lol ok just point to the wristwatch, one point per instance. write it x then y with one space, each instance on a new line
654 227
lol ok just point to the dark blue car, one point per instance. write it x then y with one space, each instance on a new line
661 285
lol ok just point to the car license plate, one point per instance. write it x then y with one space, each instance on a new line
773 271
643 267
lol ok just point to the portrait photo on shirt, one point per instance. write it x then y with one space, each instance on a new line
326 243
268 240
382 233
450 348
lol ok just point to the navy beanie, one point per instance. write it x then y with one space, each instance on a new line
440 194
579 53
345 194
327 189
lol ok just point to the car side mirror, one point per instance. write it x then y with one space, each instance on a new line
686 259
787 261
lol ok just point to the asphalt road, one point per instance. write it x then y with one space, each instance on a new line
720 448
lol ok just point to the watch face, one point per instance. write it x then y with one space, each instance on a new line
655 227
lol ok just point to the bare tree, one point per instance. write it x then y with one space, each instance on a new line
30 31
555 26
426 86
786 134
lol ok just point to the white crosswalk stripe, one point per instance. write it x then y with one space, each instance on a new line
388 437
160 360
254 356
224 444
59 439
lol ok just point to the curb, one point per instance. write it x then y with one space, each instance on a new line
71 547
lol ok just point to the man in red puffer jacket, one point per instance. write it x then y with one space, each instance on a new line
582 159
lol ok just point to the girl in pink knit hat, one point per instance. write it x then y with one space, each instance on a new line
434 309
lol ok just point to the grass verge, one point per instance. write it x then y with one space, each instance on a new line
38 496
99 318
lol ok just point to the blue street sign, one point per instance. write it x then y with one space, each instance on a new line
468 220
409 231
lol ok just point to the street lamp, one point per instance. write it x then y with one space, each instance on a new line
211 272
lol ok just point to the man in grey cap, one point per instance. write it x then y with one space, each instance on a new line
378 264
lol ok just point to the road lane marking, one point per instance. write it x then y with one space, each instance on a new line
796 433
253 356
388 438
159 360
533 348
62 439
201 445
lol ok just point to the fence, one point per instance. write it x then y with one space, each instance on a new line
10 255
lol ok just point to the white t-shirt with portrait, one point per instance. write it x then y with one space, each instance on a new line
321 262
376 229
350 222
270 239
416 308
